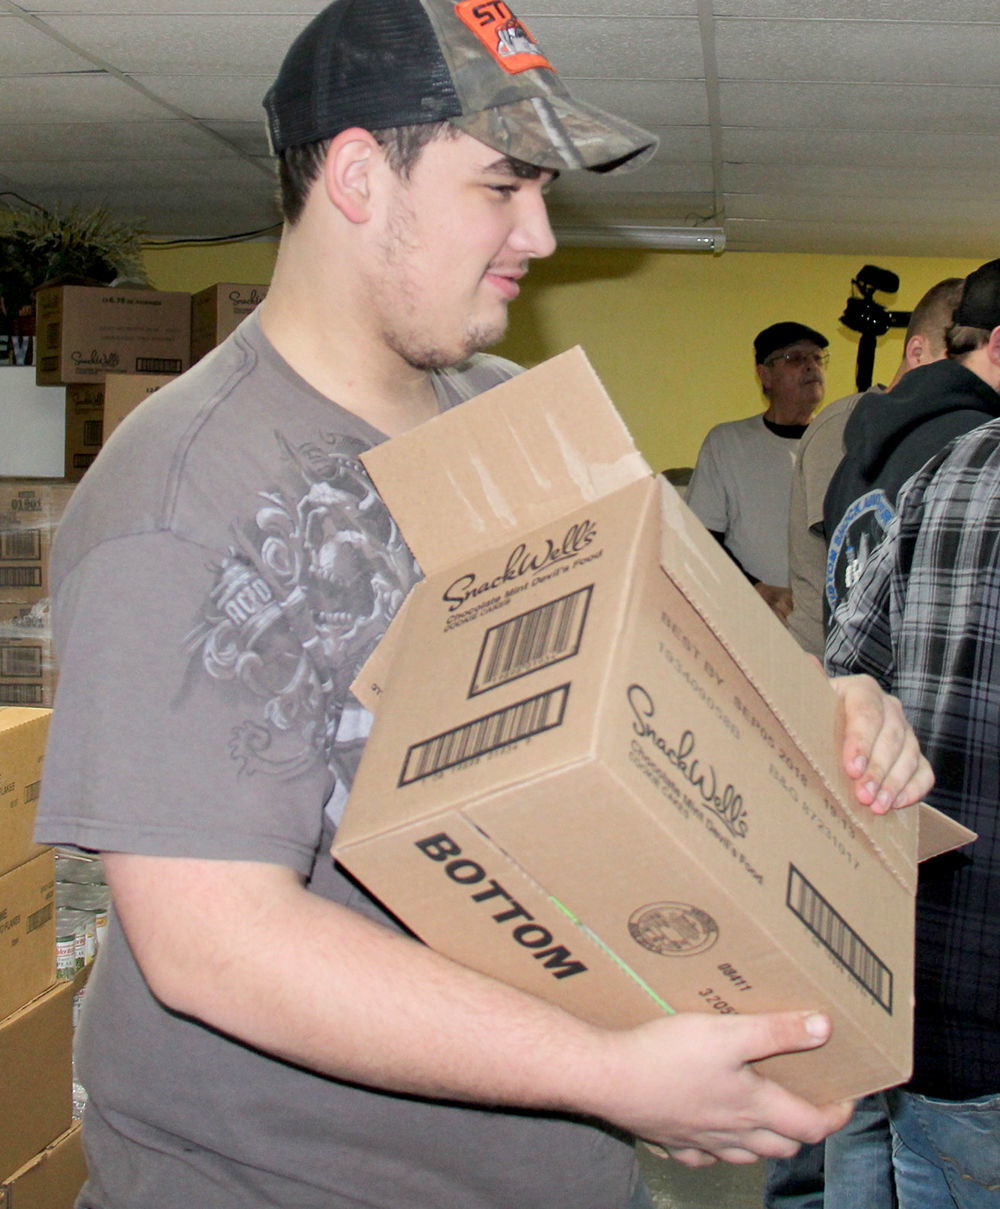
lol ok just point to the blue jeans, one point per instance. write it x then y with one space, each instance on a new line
859 1160
946 1152
795 1183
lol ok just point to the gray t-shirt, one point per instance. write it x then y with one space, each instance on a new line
220 576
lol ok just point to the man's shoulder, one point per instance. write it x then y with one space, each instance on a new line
735 432
825 435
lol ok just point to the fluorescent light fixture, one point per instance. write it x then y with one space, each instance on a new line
689 239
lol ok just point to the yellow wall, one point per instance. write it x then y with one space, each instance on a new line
670 333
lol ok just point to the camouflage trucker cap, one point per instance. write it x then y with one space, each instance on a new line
383 63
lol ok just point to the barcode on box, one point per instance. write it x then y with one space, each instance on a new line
20 577
21 545
531 641
38 919
158 365
839 938
21 694
23 661
503 727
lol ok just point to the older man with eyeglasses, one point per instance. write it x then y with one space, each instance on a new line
741 485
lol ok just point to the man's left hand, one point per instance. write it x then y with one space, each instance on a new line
881 752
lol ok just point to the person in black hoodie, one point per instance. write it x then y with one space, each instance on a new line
887 439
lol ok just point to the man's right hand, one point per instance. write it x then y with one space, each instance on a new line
694 1093
246 948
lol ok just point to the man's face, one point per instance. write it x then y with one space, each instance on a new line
795 376
454 241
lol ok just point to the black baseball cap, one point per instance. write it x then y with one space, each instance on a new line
781 335
979 305
384 63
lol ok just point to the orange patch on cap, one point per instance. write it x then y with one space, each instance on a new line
503 35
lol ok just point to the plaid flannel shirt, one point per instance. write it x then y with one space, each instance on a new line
924 620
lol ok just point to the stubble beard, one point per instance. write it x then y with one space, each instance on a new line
402 330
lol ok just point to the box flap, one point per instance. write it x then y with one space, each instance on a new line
940 834
510 460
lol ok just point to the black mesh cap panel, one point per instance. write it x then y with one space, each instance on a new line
368 63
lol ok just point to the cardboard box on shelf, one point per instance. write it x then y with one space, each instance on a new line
36 1077
30 510
28 673
95 409
86 332
216 312
601 769
27 931
23 733
50 1180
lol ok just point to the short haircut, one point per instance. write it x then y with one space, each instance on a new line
960 340
300 167
933 314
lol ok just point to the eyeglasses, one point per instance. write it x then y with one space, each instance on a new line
819 357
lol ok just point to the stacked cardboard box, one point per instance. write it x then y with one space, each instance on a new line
87 332
217 311
39 1147
30 510
95 409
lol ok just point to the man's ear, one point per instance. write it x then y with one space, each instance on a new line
764 374
917 351
993 352
348 170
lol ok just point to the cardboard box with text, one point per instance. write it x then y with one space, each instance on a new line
30 510
601 769
27 931
95 409
86 332
218 311
23 733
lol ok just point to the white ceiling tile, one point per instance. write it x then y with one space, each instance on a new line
861 107
249 138
651 103
612 47
184 44
90 97
172 8
55 143
855 148
24 50
865 182
854 10
858 51
215 97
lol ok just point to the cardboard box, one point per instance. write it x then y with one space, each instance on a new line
86 332
30 510
23 733
218 311
52 1179
601 770
28 673
27 933
95 409
36 1077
